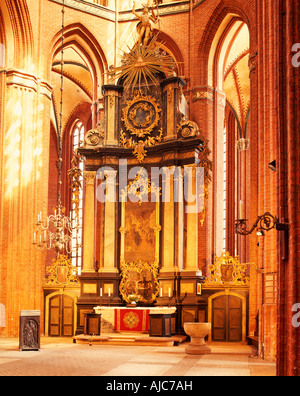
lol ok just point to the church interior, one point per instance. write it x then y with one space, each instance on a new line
150 172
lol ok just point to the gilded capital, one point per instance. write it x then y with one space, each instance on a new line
90 178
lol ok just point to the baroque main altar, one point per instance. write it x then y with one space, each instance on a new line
146 178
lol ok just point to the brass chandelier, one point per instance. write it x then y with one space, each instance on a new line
55 231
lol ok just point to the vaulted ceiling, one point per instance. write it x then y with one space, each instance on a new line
236 72
77 84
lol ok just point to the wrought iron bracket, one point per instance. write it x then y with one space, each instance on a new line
264 223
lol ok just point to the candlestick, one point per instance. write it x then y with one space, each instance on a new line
169 292
161 292
109 293
101 292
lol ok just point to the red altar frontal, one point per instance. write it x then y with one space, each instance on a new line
126 319
132 320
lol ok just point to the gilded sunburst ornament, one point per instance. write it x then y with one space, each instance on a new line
141 64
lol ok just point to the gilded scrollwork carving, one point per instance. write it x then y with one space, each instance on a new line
139 147
61 273
139 279
94 138
75 176
187 128
207 165
141 118
141 187
227 271
141 115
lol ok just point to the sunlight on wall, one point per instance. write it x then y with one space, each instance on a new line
2 55
23 150
2 315
12 152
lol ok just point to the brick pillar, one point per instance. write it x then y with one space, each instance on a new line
288 192
202 111
24 154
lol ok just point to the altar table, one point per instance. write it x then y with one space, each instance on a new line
127 319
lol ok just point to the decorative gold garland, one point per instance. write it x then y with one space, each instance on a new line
75 174
207 165
139 147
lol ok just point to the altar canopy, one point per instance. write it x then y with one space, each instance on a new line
144 195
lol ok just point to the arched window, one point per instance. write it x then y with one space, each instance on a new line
78 136
228 72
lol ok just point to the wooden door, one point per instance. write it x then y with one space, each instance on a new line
61 316
227 314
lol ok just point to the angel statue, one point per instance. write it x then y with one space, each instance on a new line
145 27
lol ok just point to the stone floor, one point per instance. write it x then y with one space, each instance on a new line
62 357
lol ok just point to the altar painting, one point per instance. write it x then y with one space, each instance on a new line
139 230
140 222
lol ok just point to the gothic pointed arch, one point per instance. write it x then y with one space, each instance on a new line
166 42
2 42
216 26
79 38
84 68
22 33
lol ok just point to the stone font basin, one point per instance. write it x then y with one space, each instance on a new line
197 332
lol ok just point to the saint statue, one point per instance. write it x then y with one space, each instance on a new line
144 27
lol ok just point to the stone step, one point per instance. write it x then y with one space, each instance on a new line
128 339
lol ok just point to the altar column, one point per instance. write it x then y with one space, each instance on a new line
109 272
191 214
168 270
172 235
190 276
109 264
168 240
89 223
171 94
112 96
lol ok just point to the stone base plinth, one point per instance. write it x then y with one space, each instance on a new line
197 349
